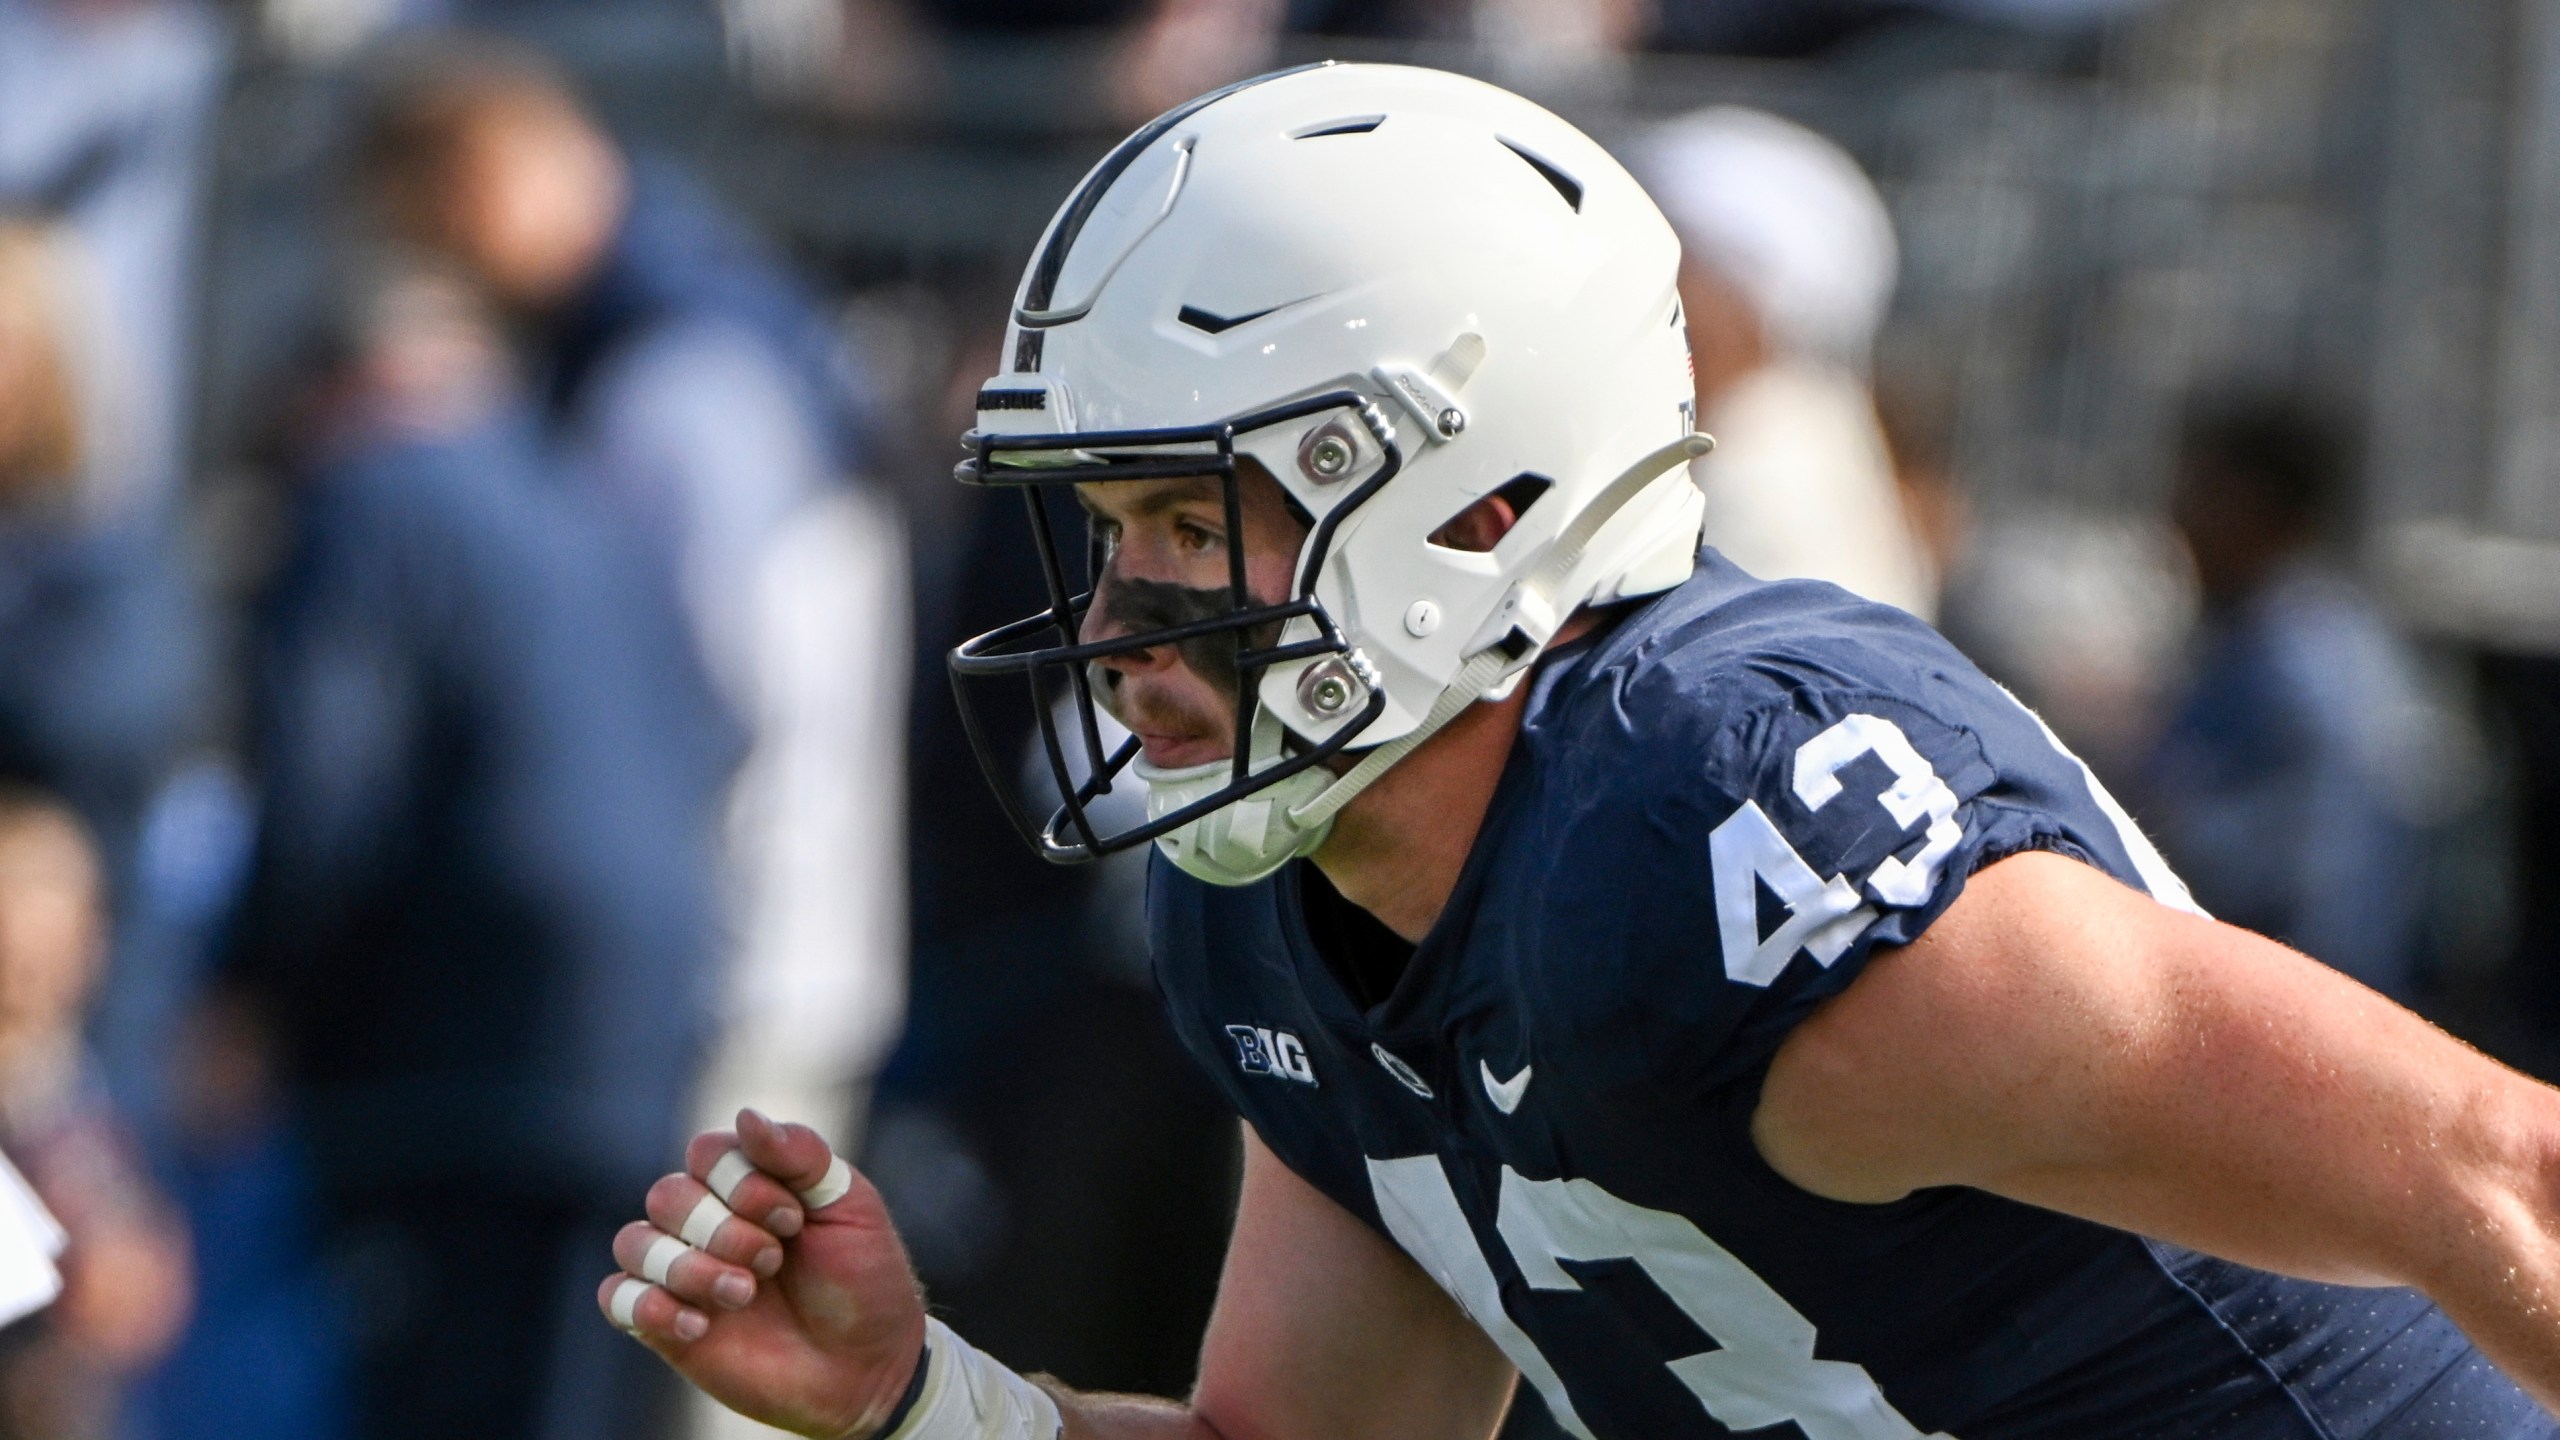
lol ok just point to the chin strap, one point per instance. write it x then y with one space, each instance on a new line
1531 597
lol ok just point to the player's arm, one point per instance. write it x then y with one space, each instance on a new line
2060 1039
1323 1328
1322 1331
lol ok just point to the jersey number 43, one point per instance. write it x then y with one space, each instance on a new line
1764 1372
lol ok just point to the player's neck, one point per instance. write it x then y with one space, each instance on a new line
1397 850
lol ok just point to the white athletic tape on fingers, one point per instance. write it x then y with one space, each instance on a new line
625 1305
661 1258
725 1175
734 1167
703 1222
969 1395
831 1187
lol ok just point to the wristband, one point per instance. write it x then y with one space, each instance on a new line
915 1389
966 1395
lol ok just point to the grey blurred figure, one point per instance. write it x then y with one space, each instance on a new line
479 924
2304 759
1788 266
702 395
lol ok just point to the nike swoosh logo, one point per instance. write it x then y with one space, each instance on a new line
1213 324
1505 1093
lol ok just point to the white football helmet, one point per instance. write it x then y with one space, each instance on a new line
1399 291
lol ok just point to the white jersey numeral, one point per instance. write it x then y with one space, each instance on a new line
1422 1214
1916 794
1824 916
1763 1371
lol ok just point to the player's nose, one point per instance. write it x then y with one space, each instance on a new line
1106 619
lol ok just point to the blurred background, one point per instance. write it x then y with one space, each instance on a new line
476 549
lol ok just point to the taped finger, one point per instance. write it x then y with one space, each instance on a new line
660 1261
703 1222
831 1187
725 1175
625 1306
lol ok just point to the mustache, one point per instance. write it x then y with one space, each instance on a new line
1138 607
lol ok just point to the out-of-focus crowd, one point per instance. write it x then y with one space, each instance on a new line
577 768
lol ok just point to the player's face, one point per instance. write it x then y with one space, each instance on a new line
1165 563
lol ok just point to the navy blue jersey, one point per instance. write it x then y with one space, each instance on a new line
1715 815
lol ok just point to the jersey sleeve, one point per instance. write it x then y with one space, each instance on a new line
1833 823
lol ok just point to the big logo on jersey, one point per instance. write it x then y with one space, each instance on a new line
1276 1053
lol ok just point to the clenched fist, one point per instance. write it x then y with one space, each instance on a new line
806 1319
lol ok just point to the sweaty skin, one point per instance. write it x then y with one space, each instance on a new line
2054 1037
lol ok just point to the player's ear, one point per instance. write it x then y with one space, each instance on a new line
1479 527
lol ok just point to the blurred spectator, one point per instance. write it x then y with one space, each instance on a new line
100 631
1180 48
126 1271
1918 412
110 108
705 398
480 918
1788 264
265 1355
2300 767
109 104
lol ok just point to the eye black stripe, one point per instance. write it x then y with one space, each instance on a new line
1088 197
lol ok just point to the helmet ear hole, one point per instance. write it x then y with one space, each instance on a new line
1476 531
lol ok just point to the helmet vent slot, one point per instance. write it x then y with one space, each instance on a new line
1566 185
1522 491
1348 125
1519 492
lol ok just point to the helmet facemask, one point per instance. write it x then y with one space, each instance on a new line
1227 637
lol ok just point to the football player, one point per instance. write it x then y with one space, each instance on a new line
1710 1000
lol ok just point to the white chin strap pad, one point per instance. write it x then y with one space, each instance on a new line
1242 842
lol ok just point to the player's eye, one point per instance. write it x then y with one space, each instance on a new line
1106 533
1196 538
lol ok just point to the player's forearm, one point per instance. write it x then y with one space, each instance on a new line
1128 1417
2490 1255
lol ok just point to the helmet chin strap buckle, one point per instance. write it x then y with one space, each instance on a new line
1521 625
